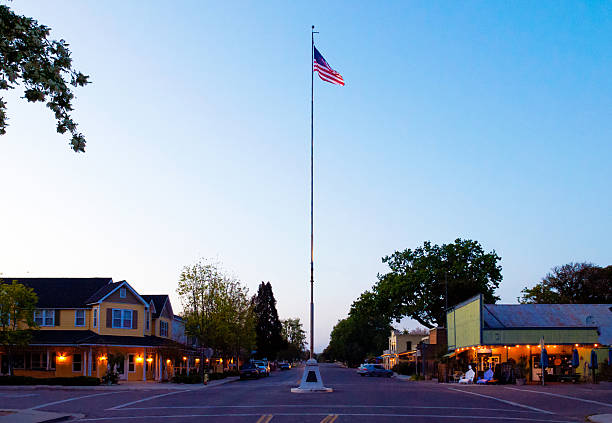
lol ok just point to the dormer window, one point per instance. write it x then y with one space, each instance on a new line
122 292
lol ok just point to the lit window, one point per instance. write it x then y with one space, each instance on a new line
122 319
95 318
44 317
79 317
163 328
122 292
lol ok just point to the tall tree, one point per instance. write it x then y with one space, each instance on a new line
268 328
572 283
17 306
217 309
43 66
416 285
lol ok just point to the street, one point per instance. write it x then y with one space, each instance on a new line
355 399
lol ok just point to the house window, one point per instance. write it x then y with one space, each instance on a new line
44 317
122 319
19 361
95 318
147 318
79 317
122 292
38 361
76 362
131 363
409 346
163 328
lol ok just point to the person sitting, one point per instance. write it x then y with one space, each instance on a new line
488 377
468 377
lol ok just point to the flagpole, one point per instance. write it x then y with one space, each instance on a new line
312 196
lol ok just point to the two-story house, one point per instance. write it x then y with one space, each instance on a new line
84 320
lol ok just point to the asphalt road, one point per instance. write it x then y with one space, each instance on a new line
355 399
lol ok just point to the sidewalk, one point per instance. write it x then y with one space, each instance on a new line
34 416
124 386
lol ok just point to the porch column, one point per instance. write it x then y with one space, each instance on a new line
188 358
144 365
89 362
48 364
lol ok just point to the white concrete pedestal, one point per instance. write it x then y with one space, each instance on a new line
311 379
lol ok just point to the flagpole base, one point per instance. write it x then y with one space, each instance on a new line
311 380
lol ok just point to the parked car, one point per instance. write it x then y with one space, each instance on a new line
249 371
374 370
263 366
284 365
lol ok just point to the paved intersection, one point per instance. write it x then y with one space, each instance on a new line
355 399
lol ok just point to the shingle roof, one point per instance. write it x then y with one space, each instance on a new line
63 292
87 337
158 302
100 293
500 316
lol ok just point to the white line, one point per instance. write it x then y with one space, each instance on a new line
328 406
71 399
562 396
184 416
516 404
117 407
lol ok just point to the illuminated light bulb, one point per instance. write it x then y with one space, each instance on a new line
184 358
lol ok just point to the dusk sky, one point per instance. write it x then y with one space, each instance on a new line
483 120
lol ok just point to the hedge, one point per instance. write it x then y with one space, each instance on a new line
64 381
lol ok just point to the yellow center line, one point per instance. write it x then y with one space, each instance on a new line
329 418
334 418
265 418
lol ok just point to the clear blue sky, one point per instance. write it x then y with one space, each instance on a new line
483 120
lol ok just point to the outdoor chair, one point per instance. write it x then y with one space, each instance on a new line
469 376
487 378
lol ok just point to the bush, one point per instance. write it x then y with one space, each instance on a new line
404 368
110 378
191 379
64 381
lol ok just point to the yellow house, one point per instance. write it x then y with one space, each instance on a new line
84 320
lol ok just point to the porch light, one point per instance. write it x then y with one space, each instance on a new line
139 359
575 345
184 358
61 357
102 358
596 345
221 360
528 346
197 360
516 346
207 360
149 360
168 361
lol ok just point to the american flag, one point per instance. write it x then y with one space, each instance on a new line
326 73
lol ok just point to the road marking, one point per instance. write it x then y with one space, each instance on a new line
516 404
329 406
265 418
117 407
433 416
562 396
70 399
331 418
17 395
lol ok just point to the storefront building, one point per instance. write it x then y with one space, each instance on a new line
487 335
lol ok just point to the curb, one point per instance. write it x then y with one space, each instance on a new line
600 418
34 416
128 387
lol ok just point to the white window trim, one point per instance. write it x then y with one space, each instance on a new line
76 312
122 319
133 363
77 371
43 313
162 323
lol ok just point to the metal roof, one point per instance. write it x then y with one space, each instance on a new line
504 316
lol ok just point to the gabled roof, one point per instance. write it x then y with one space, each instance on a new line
105 291
158 301
87 337
62 292
504 316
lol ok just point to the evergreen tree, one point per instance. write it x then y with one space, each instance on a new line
269 328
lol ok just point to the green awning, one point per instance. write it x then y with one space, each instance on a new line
450 354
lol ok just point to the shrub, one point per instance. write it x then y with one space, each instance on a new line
191 379
404 368
64 381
